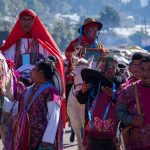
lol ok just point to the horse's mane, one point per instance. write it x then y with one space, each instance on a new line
3 72
4 63
76 61
82 61
6 77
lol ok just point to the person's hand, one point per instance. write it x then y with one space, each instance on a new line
45 144
138 120
103 50
85 87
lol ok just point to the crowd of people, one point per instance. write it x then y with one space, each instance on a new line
111 99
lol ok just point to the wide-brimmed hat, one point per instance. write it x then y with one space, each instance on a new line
90 21
95 77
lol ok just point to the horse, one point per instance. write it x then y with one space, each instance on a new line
75 110
11 89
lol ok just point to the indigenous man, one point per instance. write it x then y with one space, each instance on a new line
134 68
133 109
100 122
30 41
88 38
38 124
29 36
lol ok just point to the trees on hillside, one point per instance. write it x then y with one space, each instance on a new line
137 37
63 33
109 17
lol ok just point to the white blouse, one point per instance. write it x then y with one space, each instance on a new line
10 53
52 118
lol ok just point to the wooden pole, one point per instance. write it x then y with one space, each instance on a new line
93 49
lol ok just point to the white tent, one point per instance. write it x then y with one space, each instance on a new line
135 48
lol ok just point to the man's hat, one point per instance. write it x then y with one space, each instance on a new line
90 21
95 77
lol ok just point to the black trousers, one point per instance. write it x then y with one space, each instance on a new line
100 144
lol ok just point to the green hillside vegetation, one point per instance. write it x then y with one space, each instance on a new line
110 12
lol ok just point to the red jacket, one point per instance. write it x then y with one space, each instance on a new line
84 41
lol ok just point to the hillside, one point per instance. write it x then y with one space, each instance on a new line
63 17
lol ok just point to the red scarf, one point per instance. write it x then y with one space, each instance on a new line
40 33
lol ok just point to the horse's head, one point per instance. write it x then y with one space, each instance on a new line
81 63
5 76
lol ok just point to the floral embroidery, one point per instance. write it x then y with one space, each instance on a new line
104 126
101 129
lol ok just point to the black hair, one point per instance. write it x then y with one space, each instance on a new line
109 60
47 66
137 56
146 58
